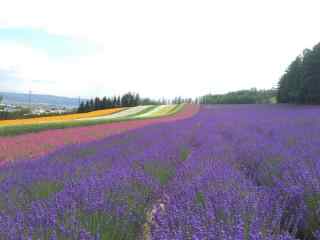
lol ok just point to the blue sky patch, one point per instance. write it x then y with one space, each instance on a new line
53 45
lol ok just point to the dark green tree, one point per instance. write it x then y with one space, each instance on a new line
251 96
129 100
301 82
311 76
104 103
91 103
114 102
118 102
290 88
81 108
87 106
96 103
136 99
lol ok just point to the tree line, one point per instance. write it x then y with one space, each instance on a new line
300 83
126 100
251 96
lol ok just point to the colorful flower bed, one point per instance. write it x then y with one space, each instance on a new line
87 119
36 144
228 172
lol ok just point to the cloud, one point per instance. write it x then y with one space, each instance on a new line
162 48
43 81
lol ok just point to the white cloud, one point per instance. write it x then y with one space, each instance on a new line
162 48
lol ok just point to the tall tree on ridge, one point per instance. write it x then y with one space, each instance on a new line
301 82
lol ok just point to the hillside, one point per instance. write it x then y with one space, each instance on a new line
39 99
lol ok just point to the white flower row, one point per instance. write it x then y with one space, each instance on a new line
122 114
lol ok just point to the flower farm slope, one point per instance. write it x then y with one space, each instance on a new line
87 119
37 144
209 176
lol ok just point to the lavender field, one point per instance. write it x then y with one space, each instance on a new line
228 172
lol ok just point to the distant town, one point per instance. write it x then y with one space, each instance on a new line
33 109
20 105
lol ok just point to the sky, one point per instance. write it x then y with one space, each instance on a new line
158 48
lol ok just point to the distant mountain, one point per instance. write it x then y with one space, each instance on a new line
39 99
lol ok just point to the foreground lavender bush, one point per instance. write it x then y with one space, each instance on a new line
232 172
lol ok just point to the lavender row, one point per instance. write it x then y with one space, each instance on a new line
253 173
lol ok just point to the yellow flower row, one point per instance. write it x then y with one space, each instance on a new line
67 117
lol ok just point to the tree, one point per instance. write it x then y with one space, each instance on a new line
311 76
114 102
91 103
301 81
130 100
1 107
118 102
104 103
81 108
127 100
109 103
136 99
290 85
97 104
87 106
251 96
148 101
